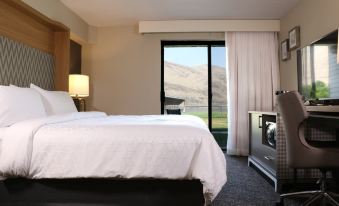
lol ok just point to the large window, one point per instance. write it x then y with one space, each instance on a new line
193 82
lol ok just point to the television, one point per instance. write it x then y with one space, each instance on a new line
318 70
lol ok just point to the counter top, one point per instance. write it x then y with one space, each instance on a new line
263 112
334 108
312 109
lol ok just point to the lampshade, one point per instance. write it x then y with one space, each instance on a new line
78 85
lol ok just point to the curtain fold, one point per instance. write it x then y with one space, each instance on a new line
253 78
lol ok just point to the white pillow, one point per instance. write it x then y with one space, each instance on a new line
19 104
56 102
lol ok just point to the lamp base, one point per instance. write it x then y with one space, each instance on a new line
80 104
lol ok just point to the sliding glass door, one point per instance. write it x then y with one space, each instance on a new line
193 82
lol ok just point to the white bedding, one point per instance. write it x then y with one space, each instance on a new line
93 144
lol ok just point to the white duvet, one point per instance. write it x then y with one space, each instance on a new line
94 145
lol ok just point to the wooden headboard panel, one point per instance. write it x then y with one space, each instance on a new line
21 23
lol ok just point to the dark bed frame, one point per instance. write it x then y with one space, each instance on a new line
141 192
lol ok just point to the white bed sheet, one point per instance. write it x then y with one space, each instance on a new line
95 145
2 131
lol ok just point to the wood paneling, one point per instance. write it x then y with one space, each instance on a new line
61 53
22 23
22 27
37 16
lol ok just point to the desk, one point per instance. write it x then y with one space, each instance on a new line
323 109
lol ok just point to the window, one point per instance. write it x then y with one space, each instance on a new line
193 81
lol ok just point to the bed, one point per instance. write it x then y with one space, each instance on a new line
93 147
92 157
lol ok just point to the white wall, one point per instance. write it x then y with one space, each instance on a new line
316 18
125 66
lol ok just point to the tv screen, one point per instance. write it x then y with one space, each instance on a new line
318 69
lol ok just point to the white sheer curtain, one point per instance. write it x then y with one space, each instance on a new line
253 78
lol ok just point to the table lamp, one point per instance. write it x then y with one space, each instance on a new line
79 88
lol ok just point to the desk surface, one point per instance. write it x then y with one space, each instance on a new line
334 108
262 112
321 116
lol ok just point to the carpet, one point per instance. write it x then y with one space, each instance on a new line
244 187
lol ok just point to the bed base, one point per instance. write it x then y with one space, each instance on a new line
20 191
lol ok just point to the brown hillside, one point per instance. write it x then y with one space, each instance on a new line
190 83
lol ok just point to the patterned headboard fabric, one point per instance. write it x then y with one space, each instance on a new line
21 65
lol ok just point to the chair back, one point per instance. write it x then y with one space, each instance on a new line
293 112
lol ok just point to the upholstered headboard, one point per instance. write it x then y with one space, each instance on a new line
21 65
33 48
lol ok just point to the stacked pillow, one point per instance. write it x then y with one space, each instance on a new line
19 104
55 102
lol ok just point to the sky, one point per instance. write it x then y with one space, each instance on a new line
194 56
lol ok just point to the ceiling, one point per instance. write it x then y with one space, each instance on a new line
120 12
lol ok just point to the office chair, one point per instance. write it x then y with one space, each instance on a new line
301 155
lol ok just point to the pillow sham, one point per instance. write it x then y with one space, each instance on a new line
19 104
56 102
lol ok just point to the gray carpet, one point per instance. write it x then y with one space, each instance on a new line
244 187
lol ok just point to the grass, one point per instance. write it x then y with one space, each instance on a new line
219 119
219 125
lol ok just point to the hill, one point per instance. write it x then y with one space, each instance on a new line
191 84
